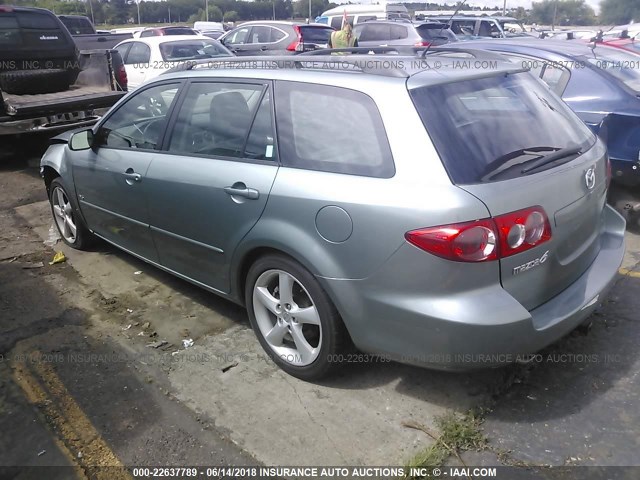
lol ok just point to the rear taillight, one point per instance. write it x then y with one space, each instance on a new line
6 9
462 242
296 45
486 239
121 76
522 230
422 44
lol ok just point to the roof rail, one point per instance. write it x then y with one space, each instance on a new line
406 50
322 61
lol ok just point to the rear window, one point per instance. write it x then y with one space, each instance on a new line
314 118
315 34
434 31
78 25
492 128
191 49
179 31
30 29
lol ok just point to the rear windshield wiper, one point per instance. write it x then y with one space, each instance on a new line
552 157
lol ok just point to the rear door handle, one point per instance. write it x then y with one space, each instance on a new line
241 190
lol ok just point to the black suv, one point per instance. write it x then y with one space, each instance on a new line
37 52
276 38
375 33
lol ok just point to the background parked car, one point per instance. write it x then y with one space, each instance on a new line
161 31
276 38
490 27
357 14
87 37
422 232
146 58
382 33
597 84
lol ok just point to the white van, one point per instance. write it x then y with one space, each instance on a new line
362 13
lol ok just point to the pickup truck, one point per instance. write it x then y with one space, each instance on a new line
85 35
46 84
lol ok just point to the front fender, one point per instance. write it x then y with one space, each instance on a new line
56 163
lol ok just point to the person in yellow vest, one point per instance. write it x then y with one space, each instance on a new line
343 38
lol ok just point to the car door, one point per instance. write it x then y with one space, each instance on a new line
212 185
137 63
110 177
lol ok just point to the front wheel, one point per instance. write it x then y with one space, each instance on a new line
295 321
68 222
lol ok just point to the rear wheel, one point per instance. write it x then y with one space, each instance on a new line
295 321
68 222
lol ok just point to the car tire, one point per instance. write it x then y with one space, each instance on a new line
301 331
68 222
32 82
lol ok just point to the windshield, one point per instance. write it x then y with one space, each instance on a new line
493 128
625 66
192 49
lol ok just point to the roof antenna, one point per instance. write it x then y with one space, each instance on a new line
424 54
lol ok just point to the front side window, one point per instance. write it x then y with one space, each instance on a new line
331 129
238 37
491 129
139 123
215 119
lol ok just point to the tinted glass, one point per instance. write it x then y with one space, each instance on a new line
178 31
486 129
191 49
331 129
375 32
277 35
318 35
78 25
434 32
260 34
31 29
215 119
139 53
398 32
123 50
140 121
148 33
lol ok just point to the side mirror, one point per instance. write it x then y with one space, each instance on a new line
82 140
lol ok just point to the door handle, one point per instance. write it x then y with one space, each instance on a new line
241 190
132 176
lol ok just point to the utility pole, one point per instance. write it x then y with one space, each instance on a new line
206 9
169 14
309 11
138 4
93 20
555 12
273 4
504 8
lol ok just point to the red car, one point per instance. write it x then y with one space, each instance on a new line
628 44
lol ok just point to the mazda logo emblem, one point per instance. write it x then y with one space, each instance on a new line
590 178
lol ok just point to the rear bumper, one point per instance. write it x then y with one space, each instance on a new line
476 328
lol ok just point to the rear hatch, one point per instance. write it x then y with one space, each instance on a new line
514 145
33 38
315 36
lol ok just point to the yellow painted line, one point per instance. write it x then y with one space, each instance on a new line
629 273
75 435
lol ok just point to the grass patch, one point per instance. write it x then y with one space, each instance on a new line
457 434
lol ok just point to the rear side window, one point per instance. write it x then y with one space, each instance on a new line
375 32
490 129
331 129
78 25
